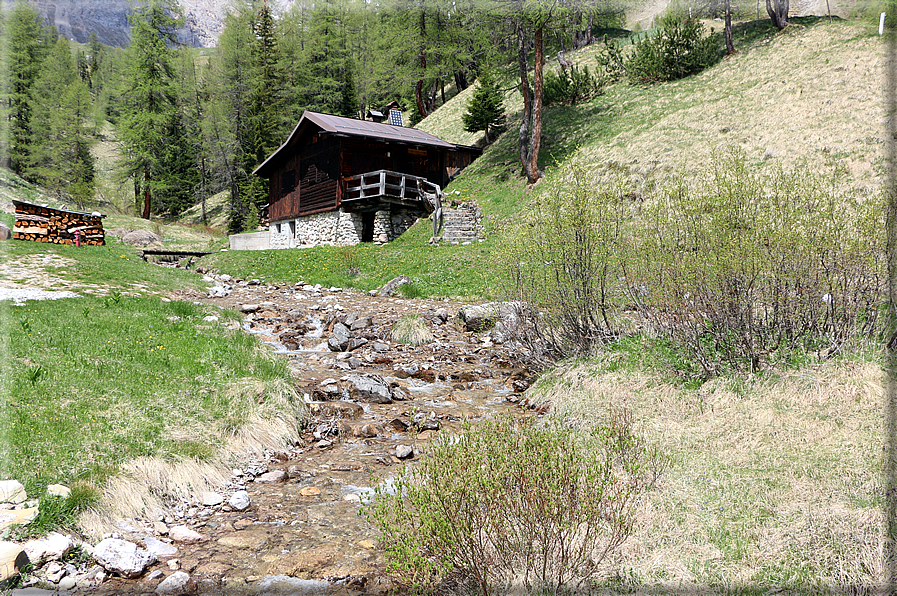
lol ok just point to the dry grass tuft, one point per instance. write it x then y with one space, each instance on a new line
772 483
411 330
263 415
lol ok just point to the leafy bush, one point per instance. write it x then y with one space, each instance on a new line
680 49
571 86
565 260
738 268
745 267
510 500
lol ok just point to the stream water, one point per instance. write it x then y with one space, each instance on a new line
306 535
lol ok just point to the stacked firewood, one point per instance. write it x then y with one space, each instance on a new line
44 224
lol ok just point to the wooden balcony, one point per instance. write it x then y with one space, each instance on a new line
385 186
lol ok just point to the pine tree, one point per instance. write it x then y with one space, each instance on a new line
485 110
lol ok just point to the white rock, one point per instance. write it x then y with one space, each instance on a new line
52 548
210 499
160 528
159 548
239 500
59 490
68 582
12 558
272 477
404 451
154 575
185 535
225 277
210 319
55 571
174 583
174 564
292 586
12 491
123 557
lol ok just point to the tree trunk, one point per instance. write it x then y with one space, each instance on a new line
523 138
730 45
419 89
146 194
778 12
535 138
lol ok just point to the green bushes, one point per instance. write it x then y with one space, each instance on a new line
571 86
737 269
679 49
510 501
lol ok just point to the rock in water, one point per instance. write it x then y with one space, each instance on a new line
123 557
185 535
390 288
404 451
176 583
484 316
339 341
369 388
159 548
239 500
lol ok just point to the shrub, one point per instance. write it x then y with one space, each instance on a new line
679 49
746 267
571 86
610 61
511 500
565 261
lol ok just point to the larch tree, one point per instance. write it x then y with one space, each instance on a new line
62 131
778 12
28 43
149 99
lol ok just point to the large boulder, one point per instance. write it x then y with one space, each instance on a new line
5 232
12 559
141 238
340 339
123 557
390 288
369 388
480 317
51 548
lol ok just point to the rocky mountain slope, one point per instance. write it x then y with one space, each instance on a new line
76 19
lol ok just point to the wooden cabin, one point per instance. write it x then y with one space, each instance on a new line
343 181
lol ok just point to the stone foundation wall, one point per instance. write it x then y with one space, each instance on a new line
340 228
332 227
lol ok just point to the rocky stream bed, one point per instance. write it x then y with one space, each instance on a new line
375 405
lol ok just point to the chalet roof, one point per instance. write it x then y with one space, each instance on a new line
358 128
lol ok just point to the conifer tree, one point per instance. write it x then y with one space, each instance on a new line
61 133
28 43
149 110
485 110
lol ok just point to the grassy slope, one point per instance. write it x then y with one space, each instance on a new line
88 384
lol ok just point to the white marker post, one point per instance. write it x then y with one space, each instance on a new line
881 24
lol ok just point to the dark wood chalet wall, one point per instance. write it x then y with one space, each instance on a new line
309 183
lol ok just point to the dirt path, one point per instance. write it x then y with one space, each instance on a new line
305 534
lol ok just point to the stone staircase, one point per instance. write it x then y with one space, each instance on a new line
462 224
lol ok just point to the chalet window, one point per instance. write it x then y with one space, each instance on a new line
288 182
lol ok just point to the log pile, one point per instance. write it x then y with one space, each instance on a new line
45 224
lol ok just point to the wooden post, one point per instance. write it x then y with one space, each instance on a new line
382 182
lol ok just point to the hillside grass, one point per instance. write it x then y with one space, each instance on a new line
775 482
439 271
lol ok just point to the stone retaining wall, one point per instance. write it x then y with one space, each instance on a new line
340 228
